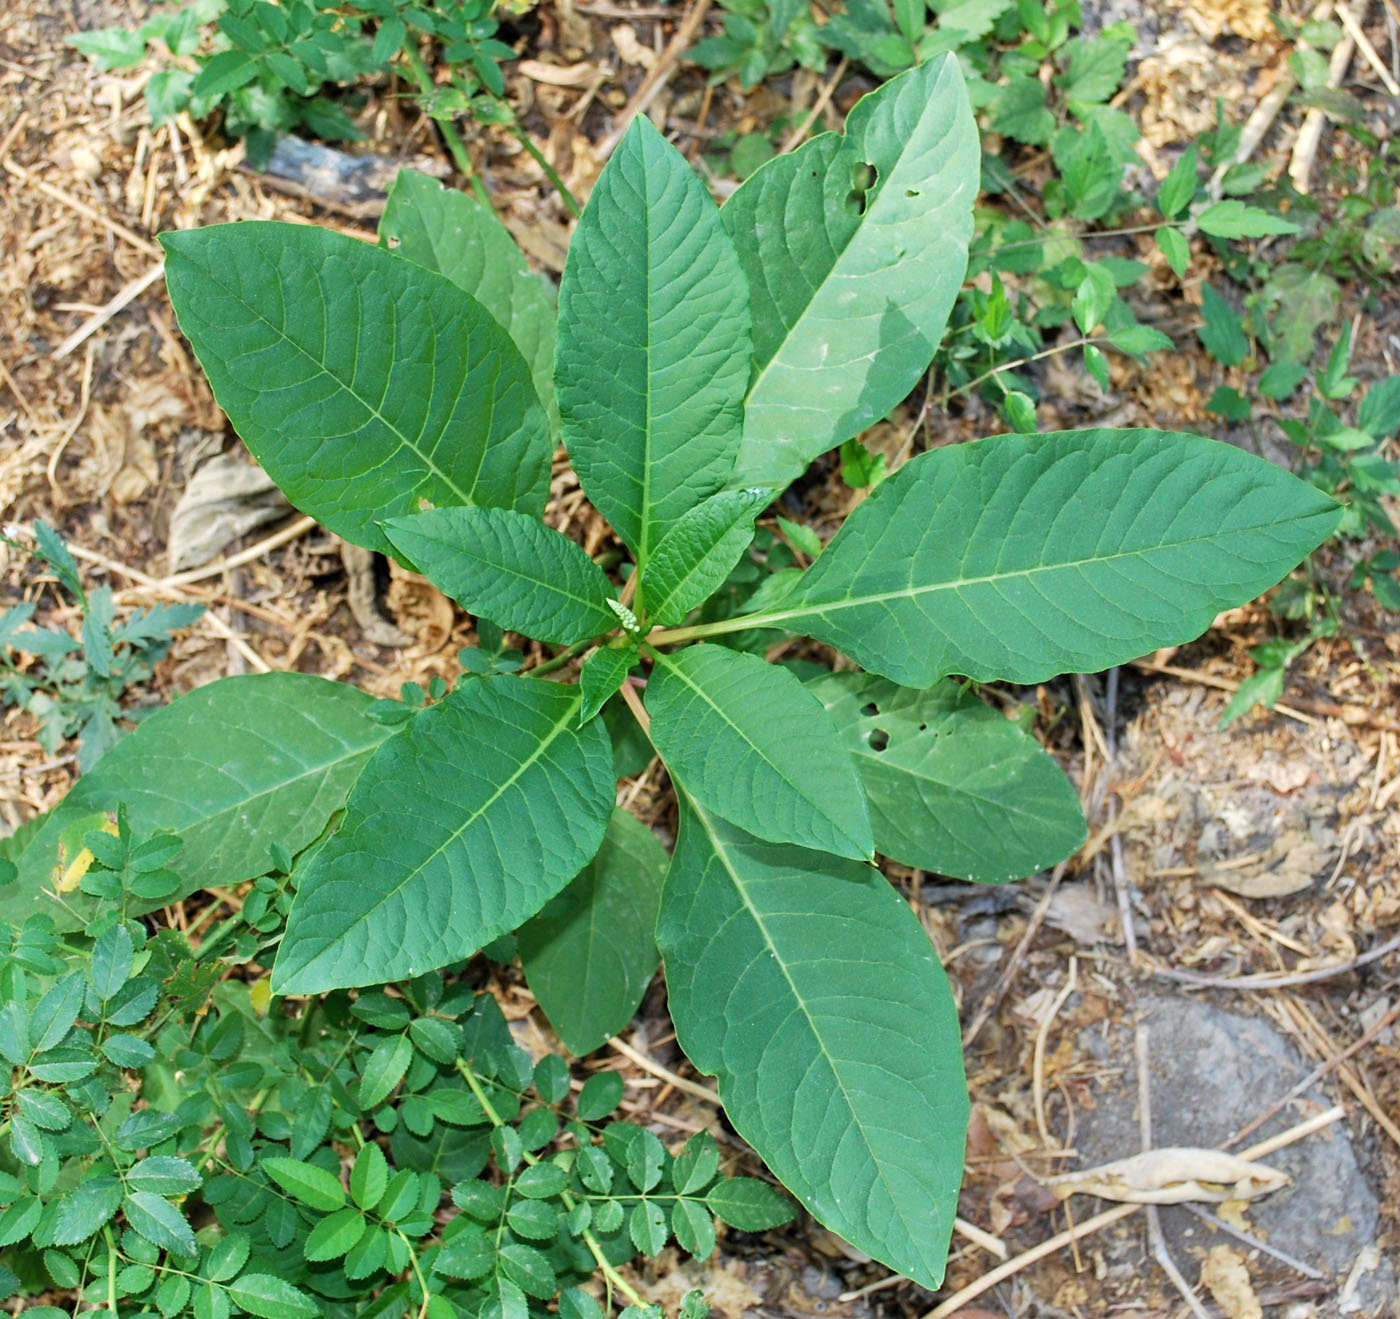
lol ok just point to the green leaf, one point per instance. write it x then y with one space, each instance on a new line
62 1065
1280 379
405 387
1021 557
748 1204
62 1270
848 1084
313 1186
860 467
451 233
128 1051
646 1157
369 1176
575 1303
1096 66
1222 335
19 1219
172 1295
590 954
1097 366
695 1167
384 1069
654 342
752 744
1228 403
231 768
1137 340
111 961
159 1222
164 1174
509 798
55 1013
509 568
15 1036
86 1209
1096 294
224 72
601 675
1262 687
601 1093
270 1298
1019 111
1020 412
45 1110
468 1255
851 283
1175 248
1179 187
1379 416
1333 381
695 557
436 1039
694 1228
529 1269
504 1300
26 1140
1233 219
646 1225
110 48
542 1181
227 1256
954 787
333 1236
533 1219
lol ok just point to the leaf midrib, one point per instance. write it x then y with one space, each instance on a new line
778 960
955 786
371 408
847 146
673 668
243 803
917 592
561 725
596 606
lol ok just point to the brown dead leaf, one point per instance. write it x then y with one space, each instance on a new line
1244 18
1226 1277
1291 865
630 48
559 75
1172 1175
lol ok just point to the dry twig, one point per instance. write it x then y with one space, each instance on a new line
656 77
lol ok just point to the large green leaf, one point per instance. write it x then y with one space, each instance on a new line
1023 556
854 247
590 953
361 382
231 768
654 342
953 786
510 568
462 825
451 233
807 987
750 742
696 555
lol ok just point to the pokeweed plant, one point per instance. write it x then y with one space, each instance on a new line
703 357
